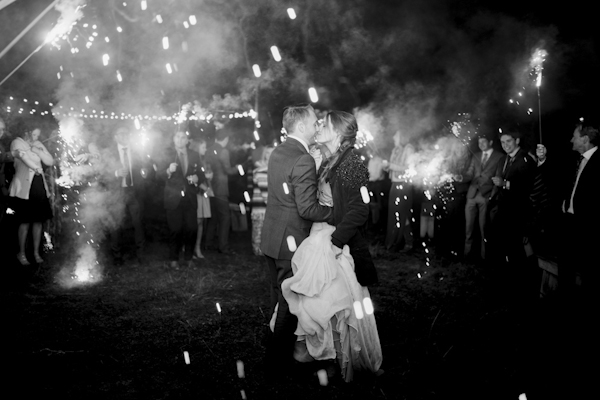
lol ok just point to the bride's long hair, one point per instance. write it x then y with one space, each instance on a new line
345 125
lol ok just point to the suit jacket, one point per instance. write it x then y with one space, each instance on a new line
137 161
480 176
514 202
219 160
177 186
291 208
585 201
350 213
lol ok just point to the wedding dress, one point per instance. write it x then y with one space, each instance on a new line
335 319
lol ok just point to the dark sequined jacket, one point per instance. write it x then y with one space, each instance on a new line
350 212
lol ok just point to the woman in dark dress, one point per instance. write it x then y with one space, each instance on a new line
28 190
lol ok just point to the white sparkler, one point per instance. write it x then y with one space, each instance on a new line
275 53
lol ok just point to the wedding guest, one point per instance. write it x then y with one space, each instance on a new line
219 225
512 186
400 204
128 183
180 171
481 170
259 198
379 186
6 161
205 192
28 190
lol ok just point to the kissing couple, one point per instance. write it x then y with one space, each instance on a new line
319 262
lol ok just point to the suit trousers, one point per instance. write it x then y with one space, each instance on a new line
182 224
476 208
134 208
220 223
281 349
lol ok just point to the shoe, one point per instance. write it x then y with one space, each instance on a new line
22 259
197 255
38 259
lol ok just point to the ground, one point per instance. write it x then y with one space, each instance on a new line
448 330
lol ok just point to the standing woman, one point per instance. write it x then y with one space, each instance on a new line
28 190
400 206
204 176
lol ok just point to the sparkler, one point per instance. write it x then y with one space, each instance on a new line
536 63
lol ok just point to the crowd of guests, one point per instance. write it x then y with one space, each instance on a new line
503 204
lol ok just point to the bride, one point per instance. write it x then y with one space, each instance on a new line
333 265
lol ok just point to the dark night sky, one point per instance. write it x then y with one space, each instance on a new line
437 29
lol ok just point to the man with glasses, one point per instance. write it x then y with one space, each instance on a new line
292 207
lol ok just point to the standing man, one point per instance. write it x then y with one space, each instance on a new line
291 210
581 215
217 157
180 170
481 170
129 185
512 186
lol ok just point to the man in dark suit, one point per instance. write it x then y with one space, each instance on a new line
481 170
512 186
291 210
128 183
218 158
180 171
581 214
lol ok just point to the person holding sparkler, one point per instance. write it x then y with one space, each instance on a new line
180 170
400 208
260 194
510 199
128 183
28 190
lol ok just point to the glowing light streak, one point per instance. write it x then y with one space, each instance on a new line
119 77
193 19
364 193
165 42
275 53
312 93
87 100
358 311
286 190
240 169
322 375
240 369
107 39
256 137
246 197
186 25
186 357
105 59
169 69
256 70
242 208
119 29
291 242
219 308
144 5
137 123
368 305
159 19
291 13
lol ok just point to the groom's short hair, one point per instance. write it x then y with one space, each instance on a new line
294 114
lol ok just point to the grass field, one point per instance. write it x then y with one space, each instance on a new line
452 331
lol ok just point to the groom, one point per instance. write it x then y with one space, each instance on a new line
291 209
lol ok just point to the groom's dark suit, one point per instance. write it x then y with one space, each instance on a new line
291 210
